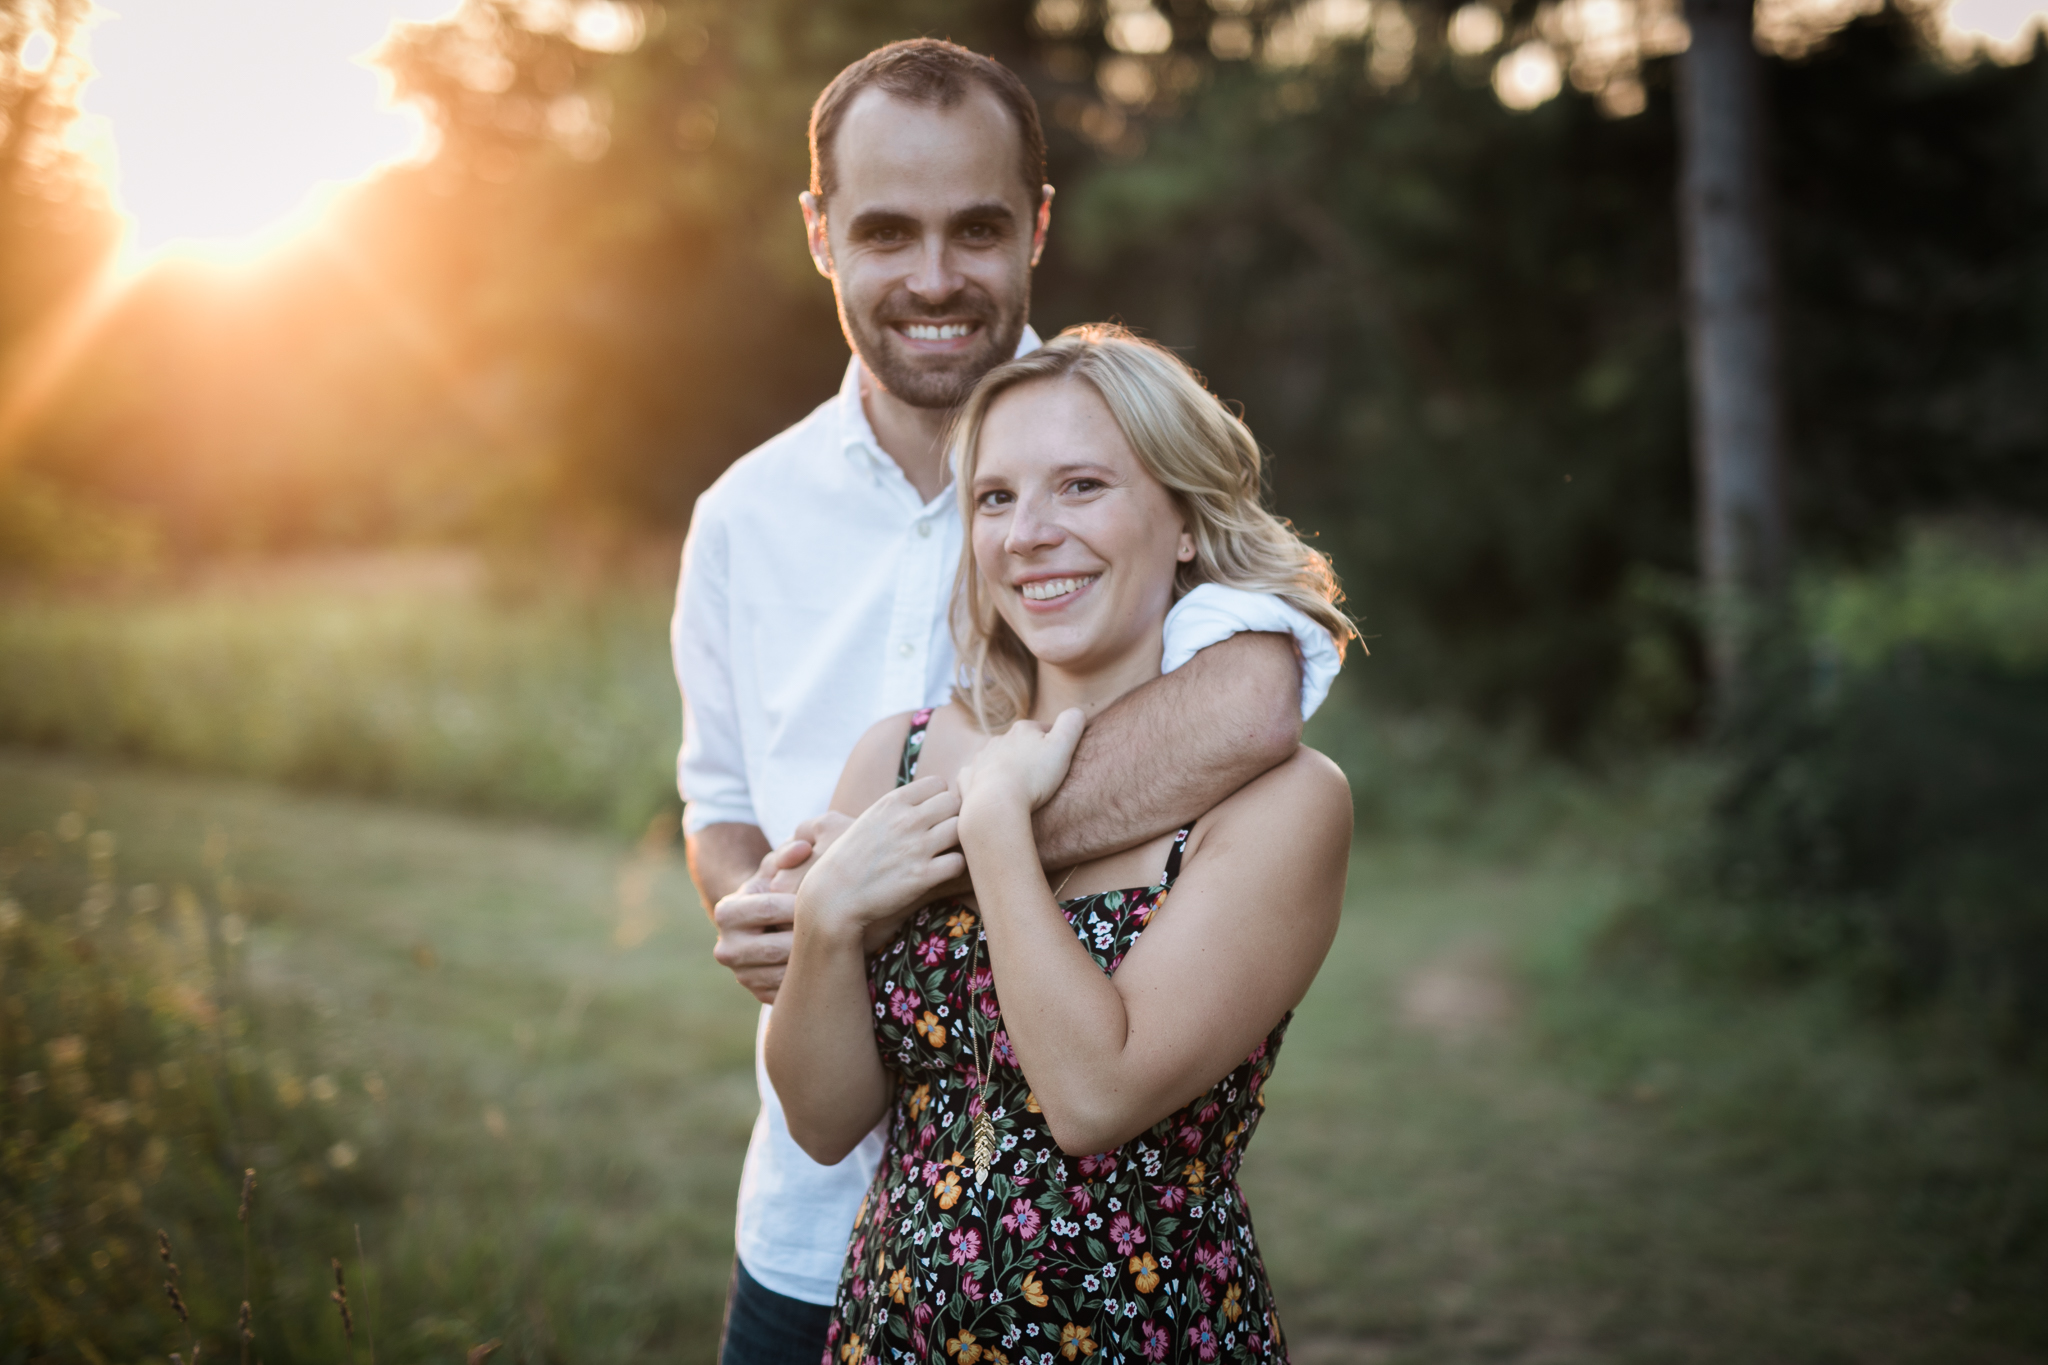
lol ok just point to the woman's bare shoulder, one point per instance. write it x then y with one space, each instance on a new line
1306 799
870 769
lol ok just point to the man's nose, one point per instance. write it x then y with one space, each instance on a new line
936 277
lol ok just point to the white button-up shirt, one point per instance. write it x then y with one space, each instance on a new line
814 602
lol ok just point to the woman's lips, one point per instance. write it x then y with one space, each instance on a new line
1050 594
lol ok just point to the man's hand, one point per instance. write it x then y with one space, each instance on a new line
754 924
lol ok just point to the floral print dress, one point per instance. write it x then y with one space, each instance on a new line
1141 1254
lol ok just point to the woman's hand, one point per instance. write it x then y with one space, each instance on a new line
886 862
1020 769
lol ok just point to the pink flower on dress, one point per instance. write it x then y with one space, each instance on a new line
982 982
1100 1164
1190 1137
1078 1196
989 1006
970 1288
931 950
1153 1340
1004 1053
1127 1235
903 1004
1172 1197
1204 1338
966 1245
1022 1220
1209 1112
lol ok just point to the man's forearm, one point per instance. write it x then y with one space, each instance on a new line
722 857
1174 748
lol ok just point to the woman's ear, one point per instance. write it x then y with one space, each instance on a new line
1186 551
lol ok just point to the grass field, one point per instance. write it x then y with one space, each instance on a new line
1477 1148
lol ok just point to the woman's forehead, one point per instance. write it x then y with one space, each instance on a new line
1045 425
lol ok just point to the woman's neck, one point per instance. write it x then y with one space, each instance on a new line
1094 689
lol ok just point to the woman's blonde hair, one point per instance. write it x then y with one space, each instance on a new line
1185 437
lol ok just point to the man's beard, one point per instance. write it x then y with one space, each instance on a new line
928 381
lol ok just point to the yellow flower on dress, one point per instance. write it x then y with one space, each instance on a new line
948 1190
851 1351
920 1100
959 922
899 1283
1233 1302
931 1030
1146 1270
1198 1174
1075 1341
1034 1290
963 1348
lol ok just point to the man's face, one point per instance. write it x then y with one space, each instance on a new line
929 239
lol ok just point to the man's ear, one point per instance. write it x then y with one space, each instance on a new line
815 236
1044 221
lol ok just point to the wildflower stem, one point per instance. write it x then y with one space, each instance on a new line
370 1309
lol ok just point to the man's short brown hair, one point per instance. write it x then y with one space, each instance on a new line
931 72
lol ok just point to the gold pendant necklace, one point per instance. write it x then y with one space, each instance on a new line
984 1127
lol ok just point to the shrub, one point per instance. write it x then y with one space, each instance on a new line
1886 798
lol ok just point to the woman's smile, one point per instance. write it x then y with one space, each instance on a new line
1053 594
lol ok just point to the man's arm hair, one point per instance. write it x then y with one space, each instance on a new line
1175 747
721 857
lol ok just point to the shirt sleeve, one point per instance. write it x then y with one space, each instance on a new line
1212 612
711 771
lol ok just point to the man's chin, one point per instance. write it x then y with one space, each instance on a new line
927 381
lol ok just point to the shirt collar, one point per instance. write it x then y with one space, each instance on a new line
857 436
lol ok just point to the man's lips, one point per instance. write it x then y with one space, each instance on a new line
1050 594
940 336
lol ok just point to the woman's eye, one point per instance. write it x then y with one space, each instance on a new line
1085 486
992 500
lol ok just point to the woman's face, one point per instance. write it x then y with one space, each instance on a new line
1075 541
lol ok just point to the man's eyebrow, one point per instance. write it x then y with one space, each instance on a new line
874 220
989 211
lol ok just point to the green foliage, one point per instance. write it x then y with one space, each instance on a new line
1887 798
557 705
142 1082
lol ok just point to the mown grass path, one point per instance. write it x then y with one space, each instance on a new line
1474 1151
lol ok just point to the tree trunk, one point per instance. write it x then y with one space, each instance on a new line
1731 334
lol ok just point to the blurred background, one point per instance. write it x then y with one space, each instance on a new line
1666 381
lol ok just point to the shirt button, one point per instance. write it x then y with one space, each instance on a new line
906 649
924 528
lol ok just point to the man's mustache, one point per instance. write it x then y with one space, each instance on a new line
908 308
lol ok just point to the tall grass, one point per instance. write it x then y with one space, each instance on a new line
558 705
142 1086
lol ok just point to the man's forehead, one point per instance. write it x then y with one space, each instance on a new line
893 152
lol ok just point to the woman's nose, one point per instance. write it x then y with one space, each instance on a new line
1033 527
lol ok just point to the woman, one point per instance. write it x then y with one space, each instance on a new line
1059 1174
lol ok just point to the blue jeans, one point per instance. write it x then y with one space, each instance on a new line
763 1327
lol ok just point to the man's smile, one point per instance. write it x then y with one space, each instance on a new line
936 336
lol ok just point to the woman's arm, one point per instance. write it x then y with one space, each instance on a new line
1234 947
820 1048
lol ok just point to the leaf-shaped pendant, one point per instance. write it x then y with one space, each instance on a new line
984 1147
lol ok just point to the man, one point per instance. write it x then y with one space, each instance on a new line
817 579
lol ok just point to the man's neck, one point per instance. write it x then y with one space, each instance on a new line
912 437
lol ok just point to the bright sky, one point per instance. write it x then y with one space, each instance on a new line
226 116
